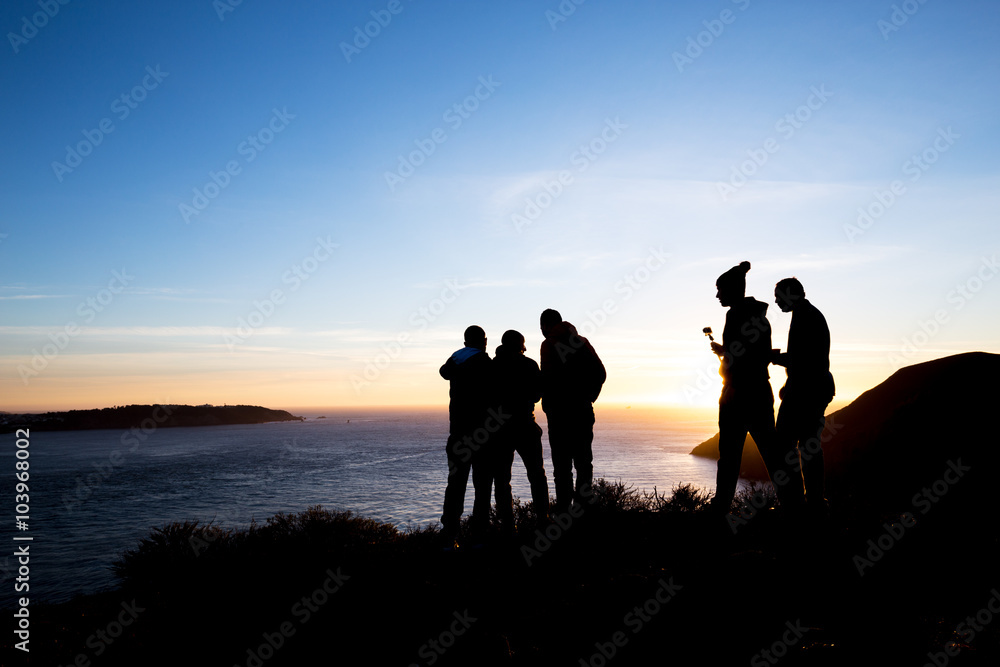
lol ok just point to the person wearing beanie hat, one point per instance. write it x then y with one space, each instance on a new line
747 402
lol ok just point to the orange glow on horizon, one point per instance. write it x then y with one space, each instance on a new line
673 379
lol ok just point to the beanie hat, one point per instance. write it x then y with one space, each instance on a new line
735 278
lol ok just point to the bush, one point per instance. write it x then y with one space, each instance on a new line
686 498
181 549
620 497
755 497
191 549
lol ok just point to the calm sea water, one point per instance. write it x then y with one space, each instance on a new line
388 465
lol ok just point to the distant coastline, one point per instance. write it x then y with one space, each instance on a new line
129 416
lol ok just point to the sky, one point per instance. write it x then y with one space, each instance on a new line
304 204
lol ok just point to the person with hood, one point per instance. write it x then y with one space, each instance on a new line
518 388
471 425
807 391
572 377
747 402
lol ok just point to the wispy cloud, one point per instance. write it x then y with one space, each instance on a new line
833 259
175 294
140 331
20 297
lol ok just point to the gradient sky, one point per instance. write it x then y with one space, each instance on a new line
833 100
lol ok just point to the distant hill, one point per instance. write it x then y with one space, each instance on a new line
125 417
902 433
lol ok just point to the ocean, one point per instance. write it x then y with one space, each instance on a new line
96 493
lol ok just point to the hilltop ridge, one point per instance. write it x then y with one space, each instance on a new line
128 416
903 431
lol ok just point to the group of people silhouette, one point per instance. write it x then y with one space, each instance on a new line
492 405
492 416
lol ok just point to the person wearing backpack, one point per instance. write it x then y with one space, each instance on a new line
572 377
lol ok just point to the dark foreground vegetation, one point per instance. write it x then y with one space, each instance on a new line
903 571
639 579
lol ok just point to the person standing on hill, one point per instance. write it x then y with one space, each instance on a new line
518 388
747 402
572 377
807 391
471 424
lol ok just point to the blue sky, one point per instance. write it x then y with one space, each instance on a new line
833 104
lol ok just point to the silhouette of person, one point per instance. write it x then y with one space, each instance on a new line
572 377
747 402
806 393
518 388
470 372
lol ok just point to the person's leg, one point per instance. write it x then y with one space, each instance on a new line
503 458
786 456
560 442
583 455
811 453
529 448
482 483
732 435
454 493
762 428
